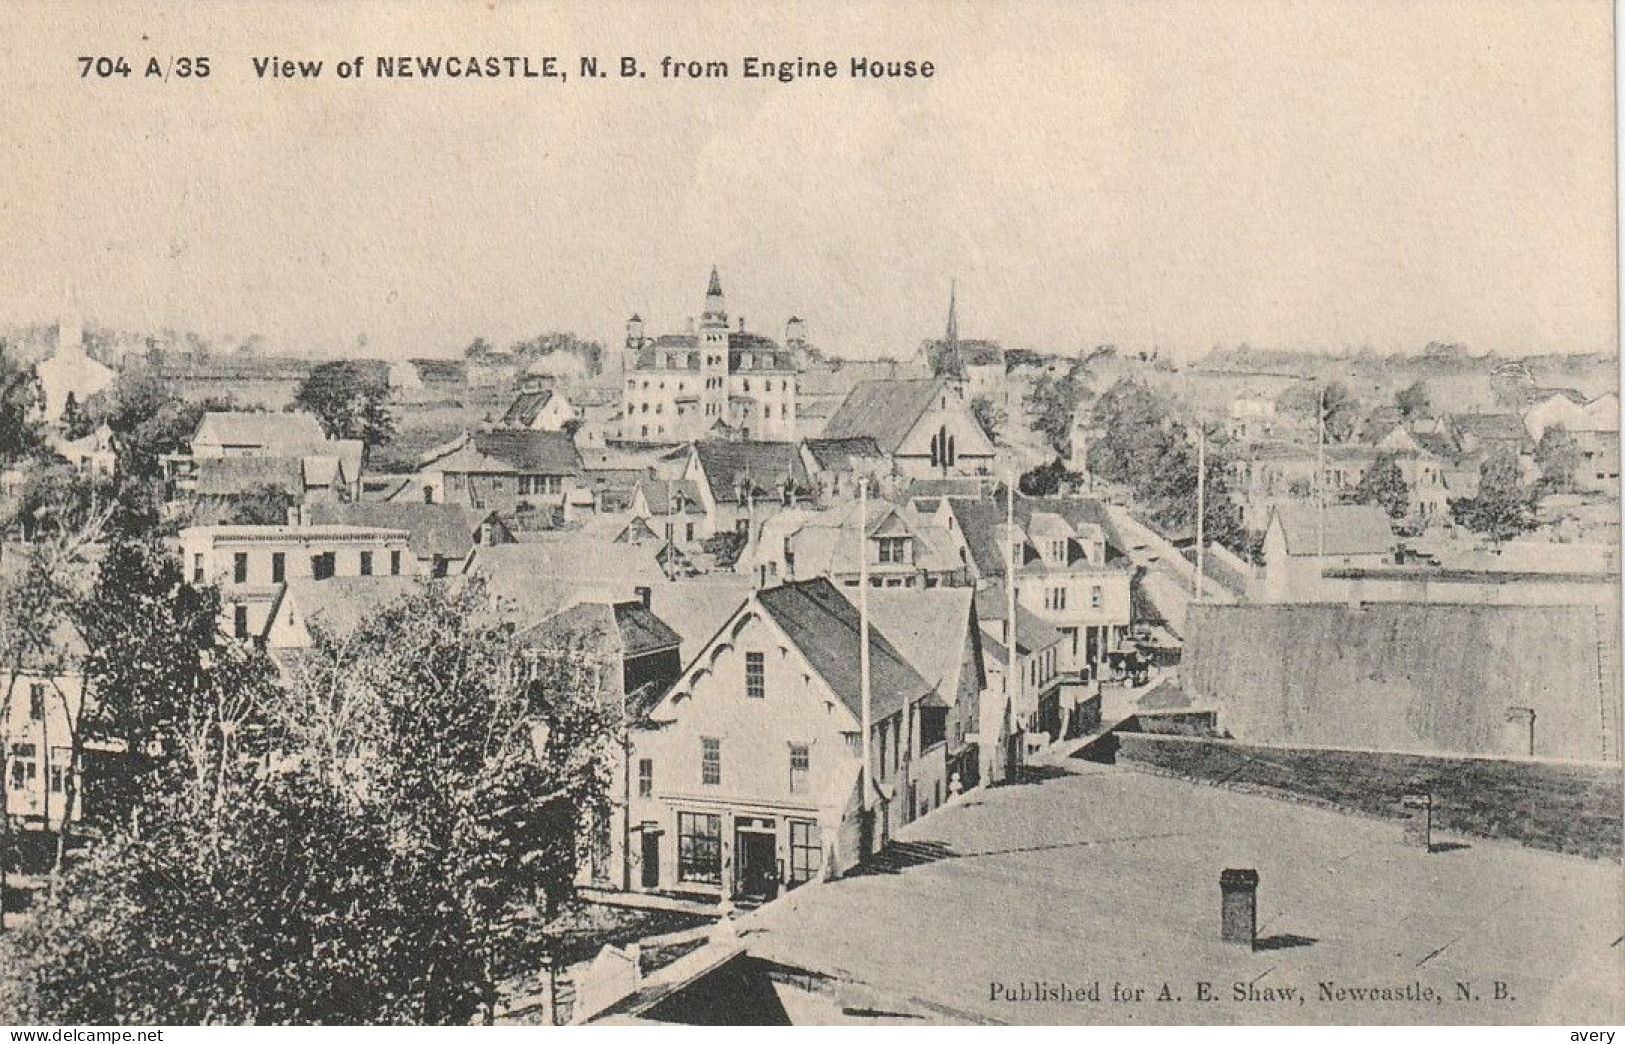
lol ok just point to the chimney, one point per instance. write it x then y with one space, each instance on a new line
643 594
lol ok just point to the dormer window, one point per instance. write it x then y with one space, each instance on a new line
893 550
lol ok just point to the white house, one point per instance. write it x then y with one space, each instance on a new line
748 779
1302 541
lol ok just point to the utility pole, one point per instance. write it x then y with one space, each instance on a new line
1010 595
1320 476
1201 511
863 664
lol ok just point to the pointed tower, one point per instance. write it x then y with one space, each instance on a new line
951 336
952 364
713 345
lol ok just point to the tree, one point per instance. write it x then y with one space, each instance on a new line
1383 484
349 401
21 433
1330 403
1145 447
1048 480
362 845
990 415
1558 455
1503 507
148 421
1413 401
1051 404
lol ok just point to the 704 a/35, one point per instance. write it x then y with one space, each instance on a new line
106 67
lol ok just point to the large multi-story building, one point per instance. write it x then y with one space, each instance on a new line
715 382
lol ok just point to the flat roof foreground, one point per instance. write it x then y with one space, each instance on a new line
1104 875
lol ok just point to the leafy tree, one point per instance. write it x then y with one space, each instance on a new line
1504 507
349 400
990 415
1049 480
1413 401
1051 404
1558 455
1383 484
1145 447
1330 402
361 845
543 345
148 421
21 433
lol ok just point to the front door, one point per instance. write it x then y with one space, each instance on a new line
758 863
651 859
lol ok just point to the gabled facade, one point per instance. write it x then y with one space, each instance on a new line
1302 541
546 409
924 428
747 777
517 473
902 549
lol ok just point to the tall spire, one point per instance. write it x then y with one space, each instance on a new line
952 336
715 315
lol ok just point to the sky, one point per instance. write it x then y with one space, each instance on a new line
1163 174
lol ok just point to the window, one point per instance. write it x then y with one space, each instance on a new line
239 567
884 735
755 675
58 777
1055 598
366 563
279 567
806 852
711 762
893 549
699 847
197 569
324 565
1095 596
394 563
800 762
646 777
239 621
689 533
36 702
540 485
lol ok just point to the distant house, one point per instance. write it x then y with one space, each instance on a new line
1472 433
741 480
1035 684
673 509
442 537
35 729
1251 417
520 474
428 379
544 409
1067 573
1594 425
748 778
839 466
233 453
901 549
251 564
338 605
1302 541
922 427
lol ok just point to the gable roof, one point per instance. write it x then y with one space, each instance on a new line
234 476
662 496
1031 632
1489 427
824 627
929 626
1351 529
296 431
981 522
883 410
838 454
766 465
446 530
531 452
526 406
343 603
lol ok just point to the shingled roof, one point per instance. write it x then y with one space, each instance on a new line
525 408
446 530
824 626
1351 529
838 454
883 410
295 433
766 465
531 452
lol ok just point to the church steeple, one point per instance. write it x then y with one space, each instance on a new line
952 335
